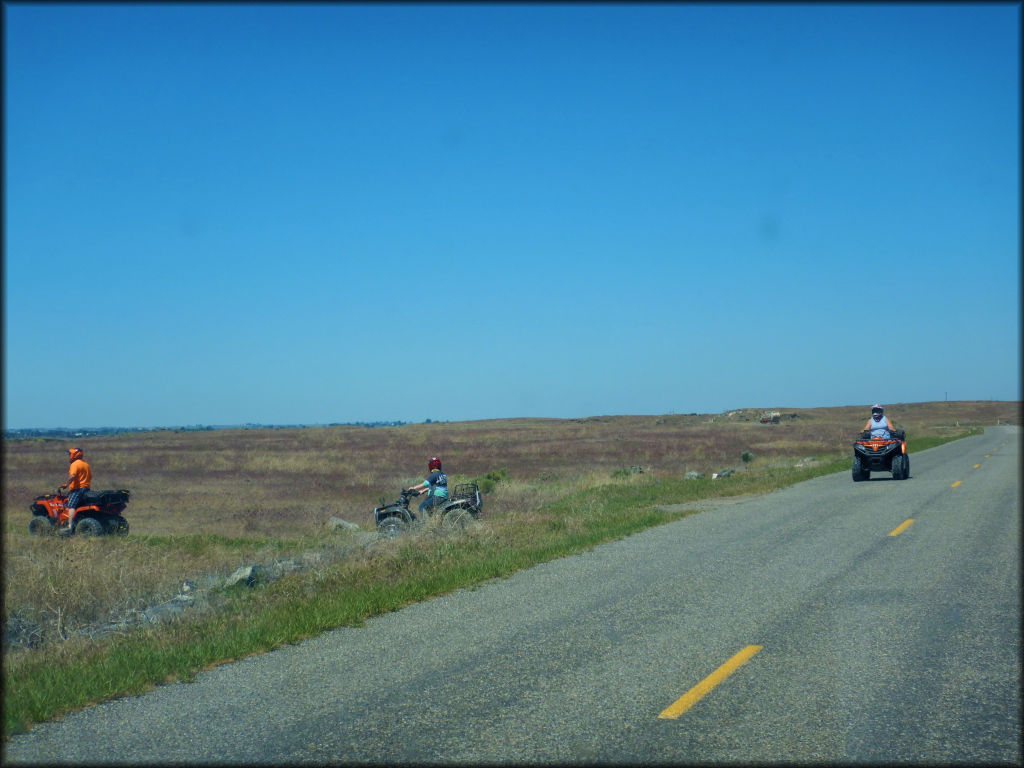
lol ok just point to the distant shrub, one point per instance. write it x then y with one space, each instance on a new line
747 457
627 471
488 482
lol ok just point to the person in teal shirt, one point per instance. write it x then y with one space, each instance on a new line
435 486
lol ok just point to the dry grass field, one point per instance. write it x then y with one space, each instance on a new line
208 501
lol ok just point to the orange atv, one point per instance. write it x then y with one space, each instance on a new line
98 512
878 454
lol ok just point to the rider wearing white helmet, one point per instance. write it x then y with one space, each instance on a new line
879 425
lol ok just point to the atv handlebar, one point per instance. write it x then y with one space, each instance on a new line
895 434
405 496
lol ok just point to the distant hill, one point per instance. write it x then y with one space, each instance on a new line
64 433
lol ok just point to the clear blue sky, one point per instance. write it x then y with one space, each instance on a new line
282 214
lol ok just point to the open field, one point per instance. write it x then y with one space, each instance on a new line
208 502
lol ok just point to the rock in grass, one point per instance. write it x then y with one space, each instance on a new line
243 575
336 523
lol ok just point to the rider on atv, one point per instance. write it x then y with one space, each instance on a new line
435 486
79 480
879 425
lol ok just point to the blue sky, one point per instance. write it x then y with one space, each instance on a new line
284 214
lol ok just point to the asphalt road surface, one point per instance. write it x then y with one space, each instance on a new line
830 621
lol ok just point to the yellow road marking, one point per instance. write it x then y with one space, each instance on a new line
954 485
701 689
903 526
988 455
976 466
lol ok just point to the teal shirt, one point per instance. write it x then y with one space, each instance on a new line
437 482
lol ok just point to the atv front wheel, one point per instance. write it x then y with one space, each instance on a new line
859 473
391 527
898 468
89 526
40 526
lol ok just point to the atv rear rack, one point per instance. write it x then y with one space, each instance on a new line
466 491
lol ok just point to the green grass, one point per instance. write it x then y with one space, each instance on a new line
918 444
351 591
197 544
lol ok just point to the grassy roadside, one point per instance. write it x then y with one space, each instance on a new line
385 579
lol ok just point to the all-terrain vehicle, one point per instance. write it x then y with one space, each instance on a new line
462 507
878 454
98 513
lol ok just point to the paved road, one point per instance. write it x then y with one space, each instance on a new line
867 638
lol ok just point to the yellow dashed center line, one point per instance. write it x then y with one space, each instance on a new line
902 527
976 466
954 485
701 689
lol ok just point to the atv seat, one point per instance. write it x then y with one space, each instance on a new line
120 496
89 498
103 498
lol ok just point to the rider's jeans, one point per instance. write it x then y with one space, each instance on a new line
429 502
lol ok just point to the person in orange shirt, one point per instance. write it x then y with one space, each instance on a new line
79 480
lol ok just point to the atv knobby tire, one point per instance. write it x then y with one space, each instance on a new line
89 526
898 471
456 519
859 473
391 527
117 526
40 526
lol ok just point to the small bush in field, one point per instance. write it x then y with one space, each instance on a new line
747 457
488 482
627 471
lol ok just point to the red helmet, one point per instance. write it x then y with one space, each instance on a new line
74 453
434 463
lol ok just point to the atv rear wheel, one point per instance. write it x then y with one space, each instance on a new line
391 527
89 526
117 525
456 519
40 525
